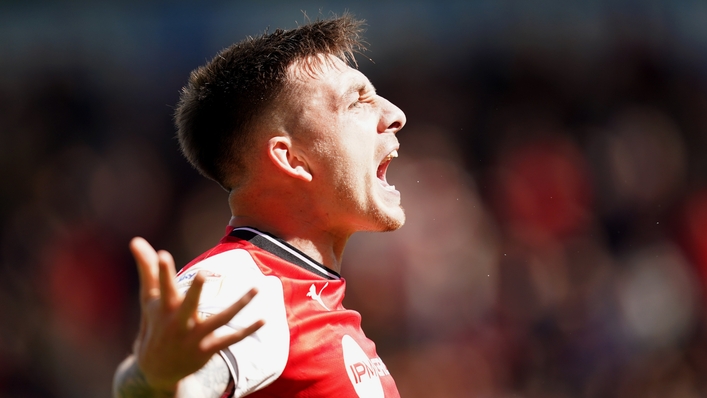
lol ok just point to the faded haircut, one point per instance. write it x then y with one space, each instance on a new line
224 98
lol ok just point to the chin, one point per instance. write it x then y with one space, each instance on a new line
378 216
390 221
393 226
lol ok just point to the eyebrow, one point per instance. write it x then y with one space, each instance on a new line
358 87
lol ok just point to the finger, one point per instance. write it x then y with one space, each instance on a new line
146 261
143 327
191 299
217 320
141 333
168 286
222 342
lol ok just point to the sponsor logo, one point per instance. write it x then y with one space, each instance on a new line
187 278
368 369
318 296
364 372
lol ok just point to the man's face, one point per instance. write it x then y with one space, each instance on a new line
348 134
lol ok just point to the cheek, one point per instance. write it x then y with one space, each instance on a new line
347 172
332 162
345 151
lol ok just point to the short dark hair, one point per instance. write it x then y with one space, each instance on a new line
223 98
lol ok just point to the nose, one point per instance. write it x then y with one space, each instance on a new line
392 118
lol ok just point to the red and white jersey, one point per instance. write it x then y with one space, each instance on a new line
310 345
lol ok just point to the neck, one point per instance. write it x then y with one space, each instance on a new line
320 245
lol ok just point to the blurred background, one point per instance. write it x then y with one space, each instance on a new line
553 169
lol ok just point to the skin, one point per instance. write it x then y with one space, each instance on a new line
323 155
174 343
320 147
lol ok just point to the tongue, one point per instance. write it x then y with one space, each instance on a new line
381 171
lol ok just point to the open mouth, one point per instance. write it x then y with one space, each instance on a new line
383 168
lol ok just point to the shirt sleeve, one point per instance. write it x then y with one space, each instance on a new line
260 358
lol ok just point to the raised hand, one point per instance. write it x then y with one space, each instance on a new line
174 341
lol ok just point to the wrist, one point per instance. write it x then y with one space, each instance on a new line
130 381
162 388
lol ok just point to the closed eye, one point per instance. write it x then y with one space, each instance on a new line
363 99
362 93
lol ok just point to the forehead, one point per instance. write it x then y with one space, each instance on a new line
325 76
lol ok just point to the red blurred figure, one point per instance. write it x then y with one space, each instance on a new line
543 190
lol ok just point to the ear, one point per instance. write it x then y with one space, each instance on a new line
285 158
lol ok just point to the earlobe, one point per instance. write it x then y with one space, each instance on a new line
286 159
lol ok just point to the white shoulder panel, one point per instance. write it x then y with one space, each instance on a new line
259 359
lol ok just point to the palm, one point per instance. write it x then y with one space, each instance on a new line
174 341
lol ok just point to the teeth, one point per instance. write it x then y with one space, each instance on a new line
392 155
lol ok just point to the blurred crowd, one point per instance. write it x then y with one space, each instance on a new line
556 194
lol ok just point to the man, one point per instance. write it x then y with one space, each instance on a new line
302 142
